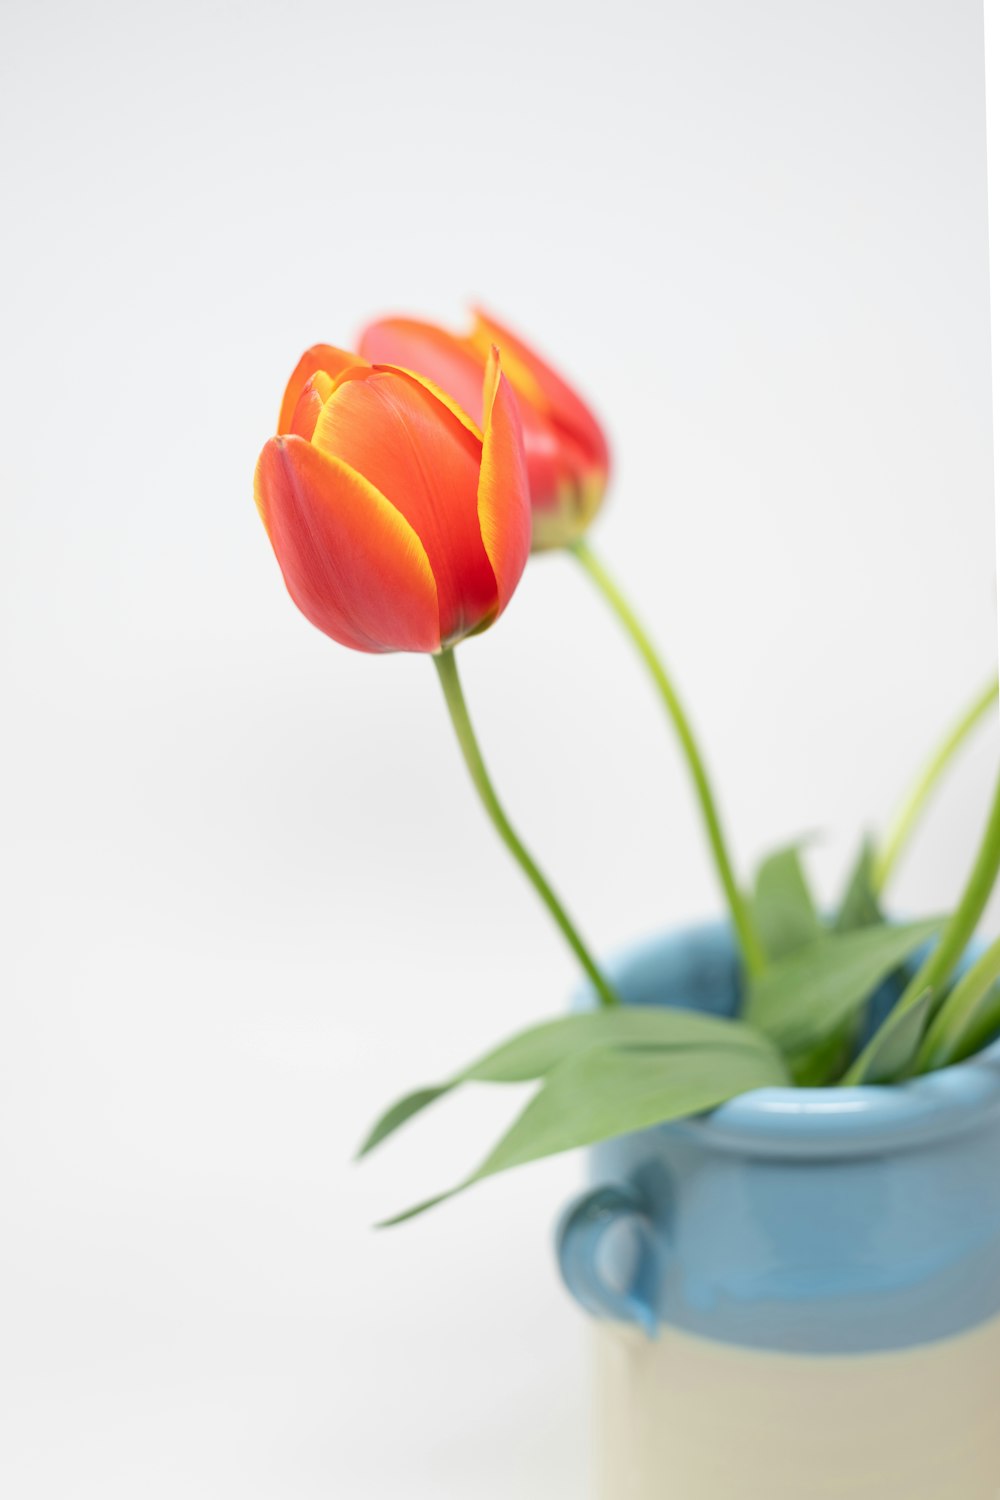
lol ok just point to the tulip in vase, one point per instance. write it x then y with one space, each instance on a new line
790 1247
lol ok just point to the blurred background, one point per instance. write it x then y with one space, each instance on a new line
249 895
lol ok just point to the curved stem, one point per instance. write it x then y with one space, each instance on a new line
908 816
746 933
447 669
940 962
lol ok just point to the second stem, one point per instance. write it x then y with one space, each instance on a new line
747 936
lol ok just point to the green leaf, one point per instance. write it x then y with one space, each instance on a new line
859 906
782 906
966 1015
802 1000
608 1092
397 1114
858 909
611 1091
533 1053
984 1030
894 1049
823 1064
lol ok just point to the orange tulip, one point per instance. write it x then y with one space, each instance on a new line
398 525
566 451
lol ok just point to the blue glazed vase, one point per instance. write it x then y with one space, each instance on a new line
796 1296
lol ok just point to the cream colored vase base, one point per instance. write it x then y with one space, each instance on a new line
683 1418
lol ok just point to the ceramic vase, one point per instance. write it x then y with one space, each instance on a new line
796 1296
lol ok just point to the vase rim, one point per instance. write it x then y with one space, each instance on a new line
831 1121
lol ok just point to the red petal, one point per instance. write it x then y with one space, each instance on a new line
319 357
456 364
316 390
354 565
504 499
425 460
430 351
571 417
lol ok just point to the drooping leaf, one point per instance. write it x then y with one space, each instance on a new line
397 1114
783 909
533 1053
608 1092
804 999
859 906
605 1092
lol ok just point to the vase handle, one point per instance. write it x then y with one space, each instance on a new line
578 1238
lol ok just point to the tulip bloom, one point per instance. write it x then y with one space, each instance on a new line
567 458
566 451
398 525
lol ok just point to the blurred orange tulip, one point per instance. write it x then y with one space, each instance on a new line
398 525
566 451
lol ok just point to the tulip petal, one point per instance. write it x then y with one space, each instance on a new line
426 461
504 497
559 400
457 411
354 566
319 357
315 392
446 360
456 365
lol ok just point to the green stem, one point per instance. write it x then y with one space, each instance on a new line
447 669
910 812
940 962
749 940
954 1022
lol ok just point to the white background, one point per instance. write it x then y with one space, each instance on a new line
249 894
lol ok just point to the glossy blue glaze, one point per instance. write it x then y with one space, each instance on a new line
808 1220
